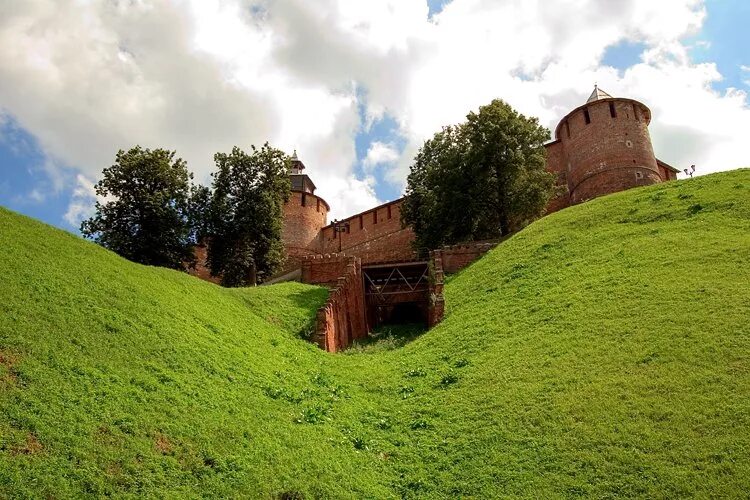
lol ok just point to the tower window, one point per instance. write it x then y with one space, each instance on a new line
639 175
389 211
635 113
361 222
586 116
303 199
375 217
567 128
612 110
317 204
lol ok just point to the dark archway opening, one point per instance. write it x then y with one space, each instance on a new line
405 313
396 301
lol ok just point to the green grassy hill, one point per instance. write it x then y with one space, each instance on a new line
604 350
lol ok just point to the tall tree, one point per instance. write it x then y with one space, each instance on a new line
480 179
245 214
146 217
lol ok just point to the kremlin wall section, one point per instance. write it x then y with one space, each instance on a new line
375 235
600 148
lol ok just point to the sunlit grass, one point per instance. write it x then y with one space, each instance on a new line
602 351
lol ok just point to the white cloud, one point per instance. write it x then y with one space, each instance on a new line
82 202
36 195
200 76
380 154
746 69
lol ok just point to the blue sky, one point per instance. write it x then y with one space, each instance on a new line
727 36
47 165
25 185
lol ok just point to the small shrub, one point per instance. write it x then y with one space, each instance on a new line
383 424
290 495
360 443
694 209
449 378
406 391
312 415
419 424
320 379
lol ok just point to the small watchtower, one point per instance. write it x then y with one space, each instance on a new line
300 181
305 214
607 147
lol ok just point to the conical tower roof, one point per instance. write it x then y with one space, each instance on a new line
598 94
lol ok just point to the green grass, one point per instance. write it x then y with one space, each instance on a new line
603 351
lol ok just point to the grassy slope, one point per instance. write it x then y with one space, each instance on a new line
604 350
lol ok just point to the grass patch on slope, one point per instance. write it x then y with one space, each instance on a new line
603 351
120 378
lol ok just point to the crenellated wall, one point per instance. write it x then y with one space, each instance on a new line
324 269
375 235
457 257
201 269
601 147
342 319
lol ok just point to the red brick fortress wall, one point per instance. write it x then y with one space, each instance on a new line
375 235
324 269
457 257
201 269
343 318
436 304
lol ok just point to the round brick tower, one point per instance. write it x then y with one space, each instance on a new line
305 214
607 147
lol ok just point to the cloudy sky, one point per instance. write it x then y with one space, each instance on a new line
354 85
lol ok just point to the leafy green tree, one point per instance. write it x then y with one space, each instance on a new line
480 179
146 215
245 215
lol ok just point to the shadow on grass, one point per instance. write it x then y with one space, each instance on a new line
387 338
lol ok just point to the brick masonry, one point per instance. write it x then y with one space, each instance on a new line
305 214
201 265
324 270
343 318
375 235
436 304
456 257
603 147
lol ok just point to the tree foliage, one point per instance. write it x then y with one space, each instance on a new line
147 215
480 179
244 219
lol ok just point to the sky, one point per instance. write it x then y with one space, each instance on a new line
354 86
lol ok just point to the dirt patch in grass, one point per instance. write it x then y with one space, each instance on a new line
8 373
163 444
31 446
105 436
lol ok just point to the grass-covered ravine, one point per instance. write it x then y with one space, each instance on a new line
602 351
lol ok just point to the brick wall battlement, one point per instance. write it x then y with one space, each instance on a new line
343 318
324 269
456 257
